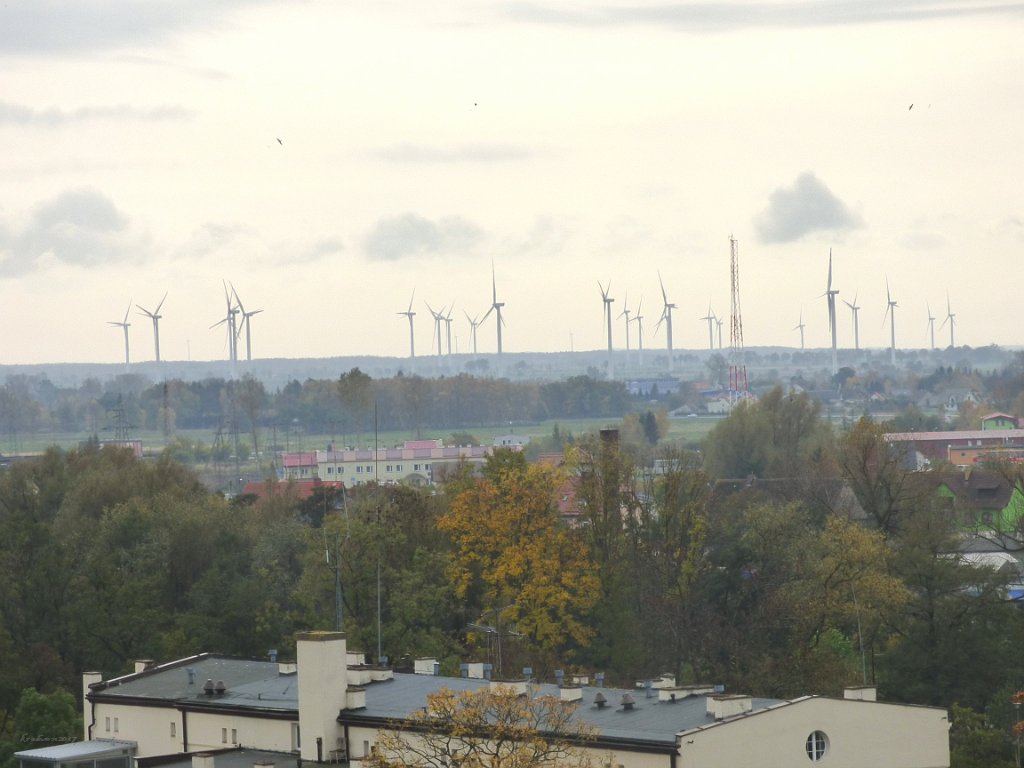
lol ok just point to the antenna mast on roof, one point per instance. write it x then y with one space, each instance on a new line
737 367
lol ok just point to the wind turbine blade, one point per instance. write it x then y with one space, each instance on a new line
157 310
410 300
829 269
664 295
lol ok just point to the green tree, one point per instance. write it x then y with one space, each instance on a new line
513 552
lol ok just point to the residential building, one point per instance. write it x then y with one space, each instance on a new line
416 462
329 706
963 448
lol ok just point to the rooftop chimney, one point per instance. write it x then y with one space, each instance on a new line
570 693
861 693
323 686
141 665
724 706
202 760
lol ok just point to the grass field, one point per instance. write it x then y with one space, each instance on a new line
687 430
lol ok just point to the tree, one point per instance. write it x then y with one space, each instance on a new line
514 556
486 728
355 392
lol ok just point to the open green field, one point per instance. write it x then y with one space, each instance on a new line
686 430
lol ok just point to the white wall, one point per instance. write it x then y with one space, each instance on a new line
859 733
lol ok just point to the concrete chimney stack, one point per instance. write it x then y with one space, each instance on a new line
323 685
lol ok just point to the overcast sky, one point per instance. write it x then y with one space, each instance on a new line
330 159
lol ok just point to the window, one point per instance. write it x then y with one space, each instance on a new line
115 725
359 468
174 729
366 749
108 724
399 467
390 468
816 746
234 735
223 735
330 470
296 738
416 467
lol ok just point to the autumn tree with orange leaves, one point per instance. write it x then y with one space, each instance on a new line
517 561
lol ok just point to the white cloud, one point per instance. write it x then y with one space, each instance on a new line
408 235
807 206
80 228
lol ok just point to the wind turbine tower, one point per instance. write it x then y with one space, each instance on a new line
639 320
495 307
410 314
607 311
666 317
438 317
856 321
931 325
448 327
473 323
124 325
246 318
800 327
951 319
737 366
155 317
626 312
890 310
831 295
719 322
229 321
709 318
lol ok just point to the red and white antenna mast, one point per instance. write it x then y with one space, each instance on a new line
737 367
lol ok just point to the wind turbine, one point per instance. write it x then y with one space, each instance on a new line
124 324
639 320
447 319
607 310
666 317
438 317
410 314
831 295
626 312
495 307
155 317
246 316
473 323
951 319
856 321
720 322
931 324
890 310
800 326
709 318
229 320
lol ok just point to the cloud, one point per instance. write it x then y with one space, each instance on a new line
80 228
807 206
78 26
410 235
721 17
53 117
474 153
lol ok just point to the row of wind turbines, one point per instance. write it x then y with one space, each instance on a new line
890 315
235 320
442 338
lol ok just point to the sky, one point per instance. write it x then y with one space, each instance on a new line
339 163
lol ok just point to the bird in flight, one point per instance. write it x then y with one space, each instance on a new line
908 109
280 142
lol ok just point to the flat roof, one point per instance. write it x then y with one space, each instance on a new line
78 750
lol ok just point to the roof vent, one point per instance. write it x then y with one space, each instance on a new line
208 687
219 688
600 700
627 702
191 672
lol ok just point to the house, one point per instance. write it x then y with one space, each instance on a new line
963 447
999 420
330 706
